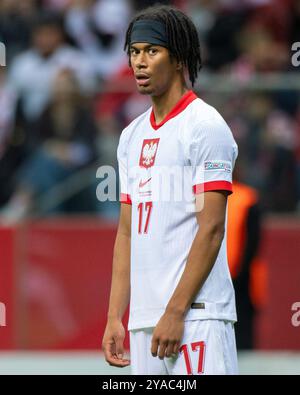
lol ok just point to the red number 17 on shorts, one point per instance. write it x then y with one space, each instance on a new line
197 346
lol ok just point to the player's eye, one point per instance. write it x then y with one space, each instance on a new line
152 51
133 51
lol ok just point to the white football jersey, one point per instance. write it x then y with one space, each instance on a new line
161 168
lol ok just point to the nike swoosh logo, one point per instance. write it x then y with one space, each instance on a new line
144 183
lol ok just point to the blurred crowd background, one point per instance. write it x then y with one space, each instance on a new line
66 93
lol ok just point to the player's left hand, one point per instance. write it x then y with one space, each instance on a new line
167 335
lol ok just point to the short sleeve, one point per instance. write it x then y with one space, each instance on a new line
123 169
212 154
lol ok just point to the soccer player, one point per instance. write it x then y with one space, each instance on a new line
170 259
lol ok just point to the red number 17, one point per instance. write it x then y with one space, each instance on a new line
195 347
148 208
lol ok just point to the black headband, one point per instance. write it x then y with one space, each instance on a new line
149 31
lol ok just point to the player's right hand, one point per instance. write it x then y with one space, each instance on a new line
112 344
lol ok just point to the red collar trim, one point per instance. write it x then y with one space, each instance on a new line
185 100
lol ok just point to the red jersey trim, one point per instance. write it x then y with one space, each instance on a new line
125 198
213 186
181 105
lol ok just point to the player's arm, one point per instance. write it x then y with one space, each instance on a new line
112 343
202 256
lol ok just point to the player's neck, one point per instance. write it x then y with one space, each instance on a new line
164 103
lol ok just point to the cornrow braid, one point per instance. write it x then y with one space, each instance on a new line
182 36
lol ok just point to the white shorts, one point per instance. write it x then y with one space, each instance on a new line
207 347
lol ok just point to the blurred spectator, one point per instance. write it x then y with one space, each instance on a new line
260 51
57 5
98 28
247 269
10 155
16 18
280 144
249 31
268 142
32 72
221 38
203 14
63 144
7 105
294 22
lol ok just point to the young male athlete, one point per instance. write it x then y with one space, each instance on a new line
170 260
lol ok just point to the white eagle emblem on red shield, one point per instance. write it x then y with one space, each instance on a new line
148 152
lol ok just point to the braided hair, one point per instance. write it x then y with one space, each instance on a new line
182 36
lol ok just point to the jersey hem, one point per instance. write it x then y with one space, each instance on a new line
193 317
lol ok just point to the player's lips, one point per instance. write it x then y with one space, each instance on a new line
142 79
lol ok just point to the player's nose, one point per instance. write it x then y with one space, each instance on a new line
140 61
